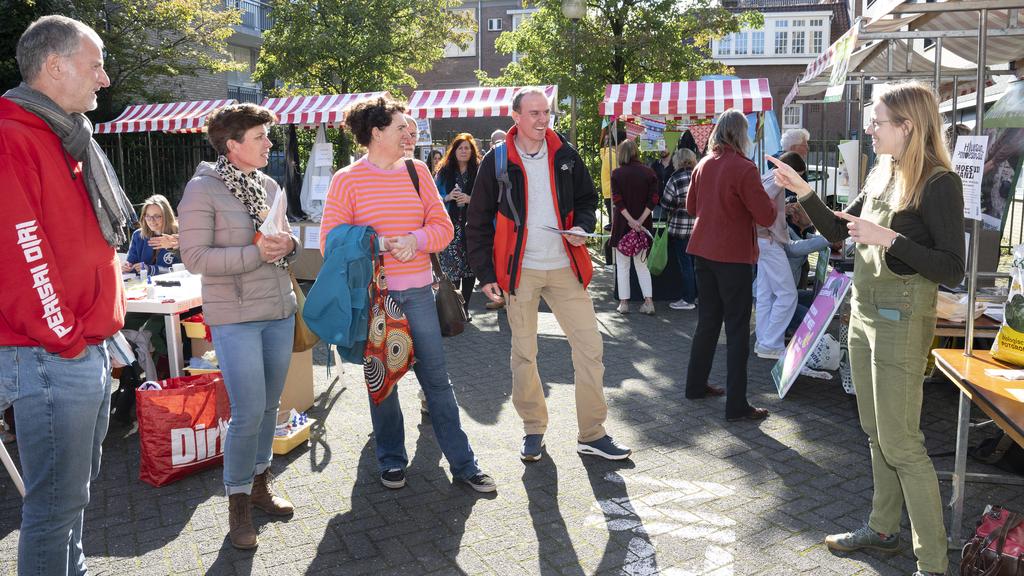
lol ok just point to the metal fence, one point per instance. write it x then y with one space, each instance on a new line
160 163
245 94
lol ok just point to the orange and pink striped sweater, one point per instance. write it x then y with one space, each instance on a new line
362 194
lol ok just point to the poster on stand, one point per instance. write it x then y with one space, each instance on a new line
813 327
1004 126
848 174
968 162
425 139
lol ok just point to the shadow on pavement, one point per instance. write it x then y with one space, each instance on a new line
555 549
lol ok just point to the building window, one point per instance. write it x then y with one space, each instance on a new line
793 116
757 42
453 50
741 43
817 42
494 24
781 42
798 41
518 17
725 45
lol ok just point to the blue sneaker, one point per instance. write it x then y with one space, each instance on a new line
605 447
533 445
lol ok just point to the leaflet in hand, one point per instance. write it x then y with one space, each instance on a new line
277 217
574 232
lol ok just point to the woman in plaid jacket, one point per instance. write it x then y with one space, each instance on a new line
680 224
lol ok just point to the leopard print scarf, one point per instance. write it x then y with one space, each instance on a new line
248 189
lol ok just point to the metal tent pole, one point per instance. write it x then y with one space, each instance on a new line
152 172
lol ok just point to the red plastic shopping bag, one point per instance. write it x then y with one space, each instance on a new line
181 427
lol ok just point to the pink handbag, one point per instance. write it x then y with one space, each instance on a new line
634 243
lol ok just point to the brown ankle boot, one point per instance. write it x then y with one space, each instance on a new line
263 497
240 529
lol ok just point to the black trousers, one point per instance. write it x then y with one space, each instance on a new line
726 294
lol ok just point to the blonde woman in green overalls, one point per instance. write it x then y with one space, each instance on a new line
908 227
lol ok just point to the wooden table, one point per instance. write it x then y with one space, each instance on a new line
995 397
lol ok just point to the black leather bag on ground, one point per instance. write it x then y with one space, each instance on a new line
451 308
997 548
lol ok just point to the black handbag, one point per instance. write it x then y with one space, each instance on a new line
451 308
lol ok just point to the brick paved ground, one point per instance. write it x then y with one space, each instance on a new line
699 496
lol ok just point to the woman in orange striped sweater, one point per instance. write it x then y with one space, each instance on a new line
377 191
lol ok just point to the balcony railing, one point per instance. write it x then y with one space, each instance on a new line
758 4
255 14
245 94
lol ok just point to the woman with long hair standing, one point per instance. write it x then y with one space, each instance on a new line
455 176
248 301
727 199
908 226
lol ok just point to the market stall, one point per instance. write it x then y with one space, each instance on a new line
649 107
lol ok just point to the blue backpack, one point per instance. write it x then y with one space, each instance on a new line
501 175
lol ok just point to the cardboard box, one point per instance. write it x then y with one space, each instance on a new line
298 387
309 261
200 347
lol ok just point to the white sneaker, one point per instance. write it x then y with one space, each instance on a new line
682 304
769 353
623 308
647 308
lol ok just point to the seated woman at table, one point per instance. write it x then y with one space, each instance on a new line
248 301
907 224
155 243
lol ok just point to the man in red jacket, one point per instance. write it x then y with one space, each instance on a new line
64 213
522 239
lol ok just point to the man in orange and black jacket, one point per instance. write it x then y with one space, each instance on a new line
524 238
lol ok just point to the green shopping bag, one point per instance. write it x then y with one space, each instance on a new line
658 257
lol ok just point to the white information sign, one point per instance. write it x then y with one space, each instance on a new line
312 239
968 161
323 155
320 186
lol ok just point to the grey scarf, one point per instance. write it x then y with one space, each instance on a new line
112 208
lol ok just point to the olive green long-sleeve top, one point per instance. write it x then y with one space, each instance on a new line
930 239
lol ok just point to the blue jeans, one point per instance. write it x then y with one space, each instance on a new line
685 267
432 373
253 358
61 410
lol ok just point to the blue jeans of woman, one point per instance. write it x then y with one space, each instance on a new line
432 372
678 246
61 411
254 358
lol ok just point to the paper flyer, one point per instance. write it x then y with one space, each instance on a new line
323 154
969 162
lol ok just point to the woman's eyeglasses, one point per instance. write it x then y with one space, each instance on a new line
874 124
154 217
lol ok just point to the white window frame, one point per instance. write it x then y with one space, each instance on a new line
725 45
757 41
518 17
798 41
495 24
453 51
793 116
741 43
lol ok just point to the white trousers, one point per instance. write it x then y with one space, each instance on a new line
642 274
776 294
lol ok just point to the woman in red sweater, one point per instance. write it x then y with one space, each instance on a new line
727 199
634 196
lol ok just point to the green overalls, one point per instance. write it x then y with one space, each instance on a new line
891 329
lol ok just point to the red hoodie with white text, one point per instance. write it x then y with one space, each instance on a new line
60 285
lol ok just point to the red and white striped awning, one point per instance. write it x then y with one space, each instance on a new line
694 99
172 117
314 110
471 102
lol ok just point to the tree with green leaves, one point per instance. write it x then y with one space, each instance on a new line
347 46
618 42
351 46
147 43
